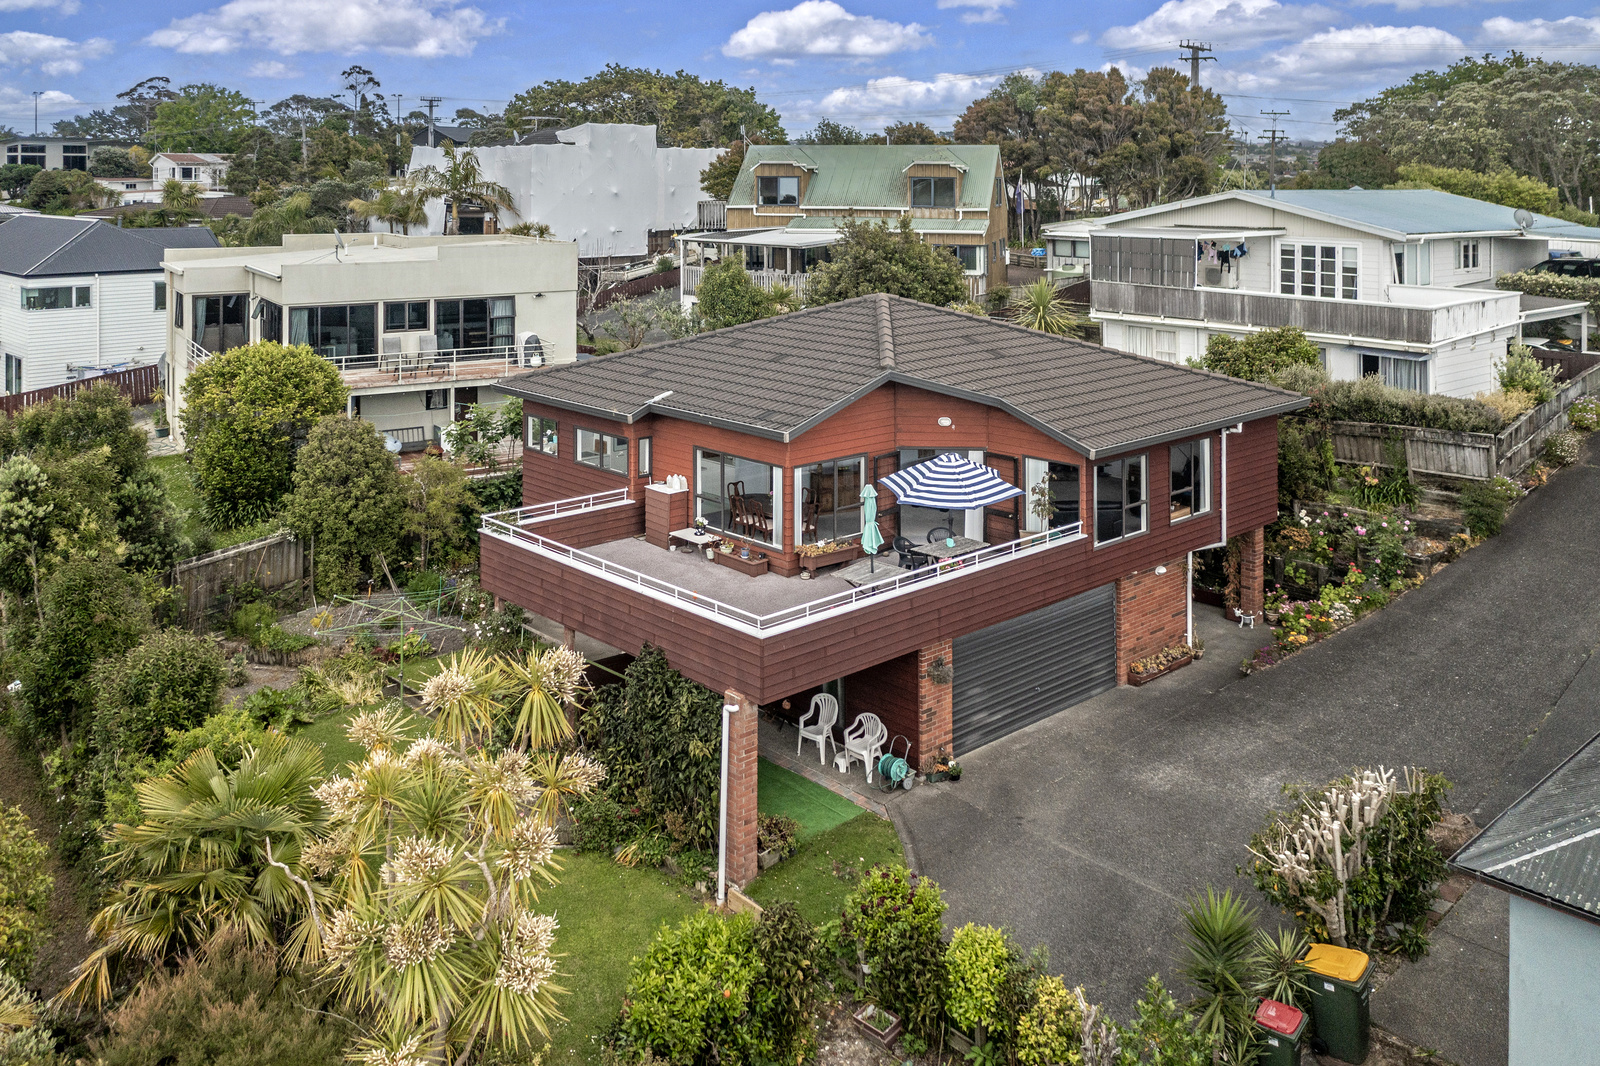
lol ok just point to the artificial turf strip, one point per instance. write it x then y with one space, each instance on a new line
825 869
608 915
785 792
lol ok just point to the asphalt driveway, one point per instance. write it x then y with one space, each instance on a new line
1087 831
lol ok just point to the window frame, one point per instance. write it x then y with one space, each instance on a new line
613 444
1317 271
13 374
777 195
724 463
1031 522
429 396
1467 255
68 295
1157 351
160 296
1125 506
802 482
1385 370
932 186
1199 487
644 458
542 435
407 309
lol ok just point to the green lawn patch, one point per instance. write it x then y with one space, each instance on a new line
418 671
177 477
339 750
816 808
608 915
825 869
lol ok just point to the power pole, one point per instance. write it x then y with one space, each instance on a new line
36 94
432 102
1197 54
1275 134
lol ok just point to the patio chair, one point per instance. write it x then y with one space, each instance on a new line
939 533
864 740
910 558
825 711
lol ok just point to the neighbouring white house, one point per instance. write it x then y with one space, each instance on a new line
1066 246
1393 282
420 327
605 186
205 172
79 297
55 153
1544 851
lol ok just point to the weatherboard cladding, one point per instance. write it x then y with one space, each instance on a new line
781 376
1547 844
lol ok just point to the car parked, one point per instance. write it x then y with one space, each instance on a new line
1570 267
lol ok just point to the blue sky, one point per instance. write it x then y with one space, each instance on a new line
866 62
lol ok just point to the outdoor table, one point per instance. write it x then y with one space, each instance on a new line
941 551
695 537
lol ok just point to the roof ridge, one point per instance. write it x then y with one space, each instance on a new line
58 249
885 332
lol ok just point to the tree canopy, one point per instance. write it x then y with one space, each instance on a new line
872 257
727 296
348 499
688 111
202 118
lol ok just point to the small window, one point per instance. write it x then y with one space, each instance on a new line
436 400
13 374
933 192
1469 255
1119 499
1166 345
82 296
1139 340
161 296
971 256
186 173
779 192
1399 373
603 451
412 315
541 435
177 310
1190 479
644 456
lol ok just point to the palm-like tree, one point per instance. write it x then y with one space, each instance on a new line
292 214
541 684
462 181
1039 309
403 204
463 696
220 851
180 201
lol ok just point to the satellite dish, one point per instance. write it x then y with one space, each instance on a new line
1524 218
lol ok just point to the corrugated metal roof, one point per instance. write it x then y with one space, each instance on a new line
55 246
870 175
1547 844
781 376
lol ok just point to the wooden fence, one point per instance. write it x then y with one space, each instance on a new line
202 584
138 384
1473 456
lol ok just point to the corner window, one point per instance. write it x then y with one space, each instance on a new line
161 296
1190 479
1467 254
933 192
1119 499
734 495
1054 498
1325 270
541 435
436 400
412 315
778 192
829 505
644 456
603 451
1397 372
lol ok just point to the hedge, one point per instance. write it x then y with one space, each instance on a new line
1559 286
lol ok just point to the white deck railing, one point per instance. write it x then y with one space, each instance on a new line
513 526
449 364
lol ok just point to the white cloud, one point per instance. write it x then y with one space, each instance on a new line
17 104
272 68
1232 24
987 10
822 28
1411 5
55 56
1570 33
1352 59
65 7
936 101
1081 37
421 28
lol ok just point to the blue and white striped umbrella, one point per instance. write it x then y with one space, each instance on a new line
949 482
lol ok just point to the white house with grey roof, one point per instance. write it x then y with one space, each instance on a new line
1393 282
79 297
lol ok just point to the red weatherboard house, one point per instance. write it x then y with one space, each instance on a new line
768 431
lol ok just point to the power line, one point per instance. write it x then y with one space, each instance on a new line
1197 55
1274 133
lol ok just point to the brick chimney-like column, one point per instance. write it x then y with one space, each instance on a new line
743 749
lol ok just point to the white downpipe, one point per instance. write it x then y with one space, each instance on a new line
1222 507
722 834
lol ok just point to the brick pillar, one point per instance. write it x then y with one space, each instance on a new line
742 752
569 637
1252 572
1152 614
935 701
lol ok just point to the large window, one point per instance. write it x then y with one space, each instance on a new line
735 495
778 192
475 323
1326 270
1119 499
603 451
411 315
1190 478
933 192
1054 498
56 298
74 157
829 499
971 256
32 155
219 321
336 332
1397 371
541 435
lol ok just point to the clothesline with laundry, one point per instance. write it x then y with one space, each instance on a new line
1220 255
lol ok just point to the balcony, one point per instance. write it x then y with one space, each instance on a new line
1416 315
763 279
408 367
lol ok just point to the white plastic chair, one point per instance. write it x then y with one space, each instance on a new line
864 740
825 711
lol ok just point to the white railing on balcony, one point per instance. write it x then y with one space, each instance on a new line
450 364
513 526
763 279
977 286
195 352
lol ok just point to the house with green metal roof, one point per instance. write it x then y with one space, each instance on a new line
790 201
1398 283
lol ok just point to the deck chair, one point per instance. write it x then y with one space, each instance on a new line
864 740
825 711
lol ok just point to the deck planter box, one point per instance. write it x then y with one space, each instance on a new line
812 563
751 567
1150 675
869 1017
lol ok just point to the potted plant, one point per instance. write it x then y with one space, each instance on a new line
880 1024
944 767
1146 670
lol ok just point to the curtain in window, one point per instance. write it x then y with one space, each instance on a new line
300 325
502 321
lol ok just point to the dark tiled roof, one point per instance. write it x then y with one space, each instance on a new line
206 207
52 246
781 376
1547 844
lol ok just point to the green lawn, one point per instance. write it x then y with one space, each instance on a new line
417 670
178 479
608 915
816 808
811 876
338 750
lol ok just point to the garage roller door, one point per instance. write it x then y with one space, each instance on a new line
1015 673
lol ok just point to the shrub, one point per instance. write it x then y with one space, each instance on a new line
170 681
1051 1030
1370 400
975 966
1484 505
727 298
599 824
1162 1033
1520 371
894 918
1546 283
1563 448
1261 355
1584 414
228 734
279 709
348 499
787 949
692 989
875 255
1300 377
24 892
91 610
1510 404
778 832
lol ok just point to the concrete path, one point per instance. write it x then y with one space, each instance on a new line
1087 831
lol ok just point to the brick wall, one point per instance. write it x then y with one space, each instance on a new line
742 752
1152 614
1252 572
888 690
935 698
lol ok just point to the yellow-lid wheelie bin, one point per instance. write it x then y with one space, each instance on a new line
1341 1000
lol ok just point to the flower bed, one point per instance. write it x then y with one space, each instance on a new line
1146 670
